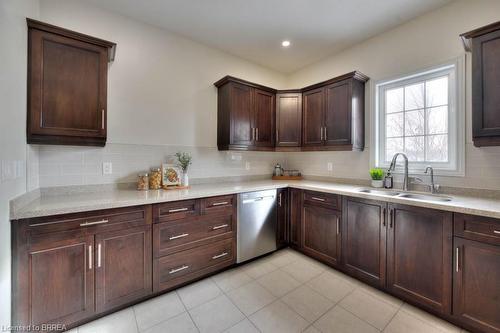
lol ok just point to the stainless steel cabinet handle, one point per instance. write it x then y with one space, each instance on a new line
220 226
321 133
99 255
279 200
223 254
86 224
496 232
457 253
338 225
326 135
90 256
390 217
277 136
318 199
257 134
177 210
253 133
175 270
102 119
178 236
383 217
220 203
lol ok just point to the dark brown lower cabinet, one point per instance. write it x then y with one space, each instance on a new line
321 233
476 284
283 221
364 239
419 256
61 280
295 200
123 267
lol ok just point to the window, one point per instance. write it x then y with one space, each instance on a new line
420 116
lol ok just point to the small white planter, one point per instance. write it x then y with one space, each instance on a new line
377 183
185 179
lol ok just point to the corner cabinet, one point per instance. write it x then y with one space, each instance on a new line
485 46
67 86
288 120
245 116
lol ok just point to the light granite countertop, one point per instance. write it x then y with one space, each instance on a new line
62 202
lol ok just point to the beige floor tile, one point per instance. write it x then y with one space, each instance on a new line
259 268
369 308
277 318
404 322
278 282
198 293
231 279
331 286
311 329
158 309
178 324
251 297
216 315
122 321
338 320
244 326
307 303
430 319
282 258
382 296
302 271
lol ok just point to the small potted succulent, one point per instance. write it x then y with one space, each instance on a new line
184 161
377 176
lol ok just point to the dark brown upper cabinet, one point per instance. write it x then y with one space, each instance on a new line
288 120
67 86
325 116
246 115
333 114
485 46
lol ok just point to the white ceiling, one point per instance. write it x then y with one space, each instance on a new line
254 29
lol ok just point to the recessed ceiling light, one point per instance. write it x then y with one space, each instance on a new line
285 43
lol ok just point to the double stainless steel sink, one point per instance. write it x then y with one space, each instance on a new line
407 195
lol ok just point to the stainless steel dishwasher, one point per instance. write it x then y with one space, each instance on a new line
256 224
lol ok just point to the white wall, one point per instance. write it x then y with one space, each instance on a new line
13 149
425 41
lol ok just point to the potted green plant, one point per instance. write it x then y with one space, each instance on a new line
184 160
377 176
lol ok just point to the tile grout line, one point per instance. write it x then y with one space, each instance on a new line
392 318
187 311
135 318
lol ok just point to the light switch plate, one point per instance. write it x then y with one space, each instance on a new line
247 165
107 168
329 166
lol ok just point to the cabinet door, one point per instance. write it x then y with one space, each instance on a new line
123 263
419 253
485 83
61 278
313 117
264 104
321 233
338 114
476 288
288 120
241 115
295 217
282 230
364 239
66 89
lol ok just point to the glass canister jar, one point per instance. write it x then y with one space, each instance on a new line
143 182
155 179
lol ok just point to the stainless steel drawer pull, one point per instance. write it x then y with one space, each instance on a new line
175 270
338 225
457 253
220 226
496 232
177 210
87 224
99 255
223 254
178 236
220 203
90 256
318 199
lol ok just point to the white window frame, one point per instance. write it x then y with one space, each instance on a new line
455 69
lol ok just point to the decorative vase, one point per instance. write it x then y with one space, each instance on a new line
377 183
185 179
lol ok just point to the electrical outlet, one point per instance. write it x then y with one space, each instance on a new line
247 165
8 170
329 166
107 168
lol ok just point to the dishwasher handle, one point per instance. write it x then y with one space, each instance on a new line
245 201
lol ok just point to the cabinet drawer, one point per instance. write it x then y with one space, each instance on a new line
171 237
477 228
176 210
183 266
216 205
324 199
91 222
